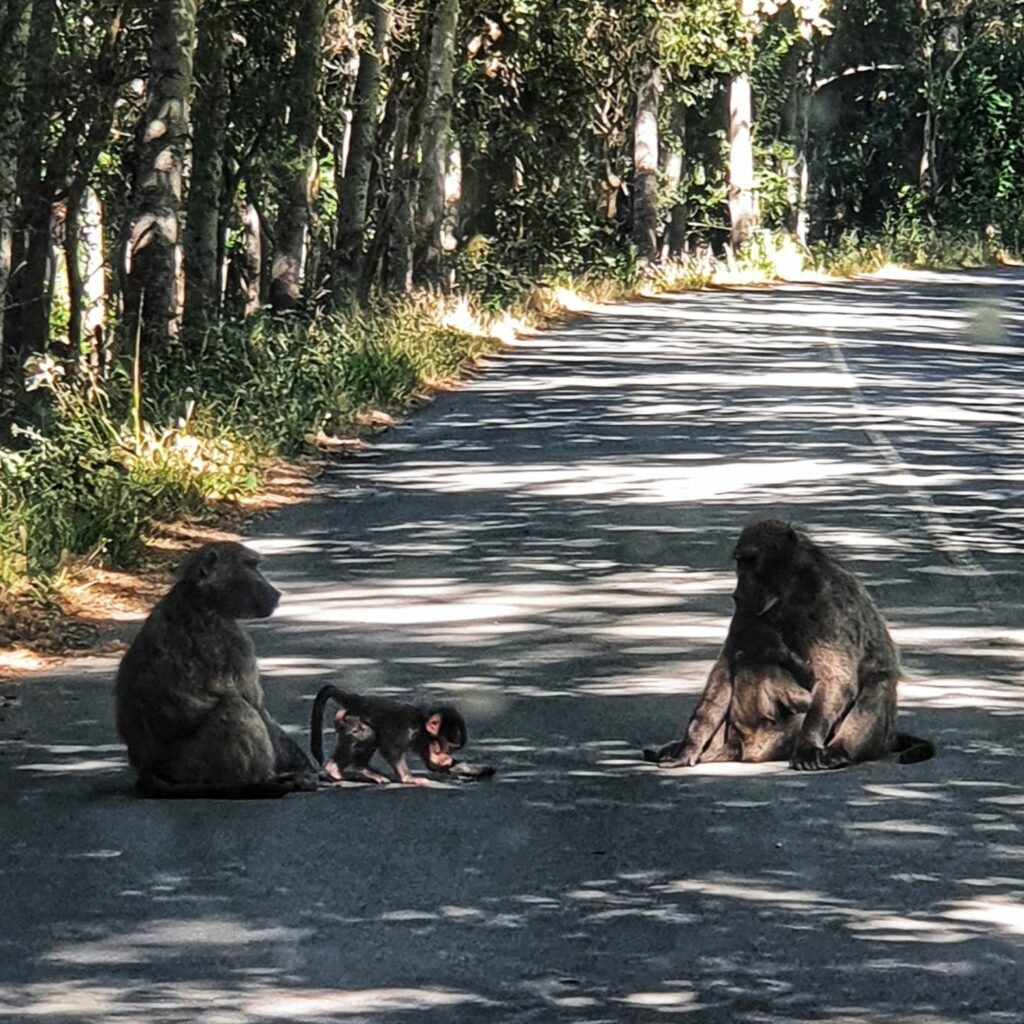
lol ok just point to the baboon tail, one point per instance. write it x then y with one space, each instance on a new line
269 789
316 719
911 749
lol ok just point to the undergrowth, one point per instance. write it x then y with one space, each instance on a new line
89 476
100 465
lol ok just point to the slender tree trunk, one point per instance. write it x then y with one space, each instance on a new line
434 139
399 223
799 130
202 223
252 259
645 167
153 255
353 188
31 249
294 221
675 167
14 30
76 283
94 282
742 198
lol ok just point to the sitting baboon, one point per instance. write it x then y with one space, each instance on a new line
189 701
808 672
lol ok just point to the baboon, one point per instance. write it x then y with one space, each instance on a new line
189 702
808 672
364 725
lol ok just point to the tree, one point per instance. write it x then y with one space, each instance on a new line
645 164
295 216
373 18
434 143
153 257
203 284
15 16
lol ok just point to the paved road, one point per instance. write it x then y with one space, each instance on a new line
550 547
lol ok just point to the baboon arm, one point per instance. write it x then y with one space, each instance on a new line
404 775
705 721
835 689
712 708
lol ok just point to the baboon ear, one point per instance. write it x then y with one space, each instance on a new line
433 723
339 715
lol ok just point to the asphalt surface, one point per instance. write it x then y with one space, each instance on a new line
549 547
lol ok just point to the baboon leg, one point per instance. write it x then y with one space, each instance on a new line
705 722
835 690
360 773
288 755
232 747
865 734
723 746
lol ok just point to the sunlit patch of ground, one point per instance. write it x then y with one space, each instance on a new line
89 601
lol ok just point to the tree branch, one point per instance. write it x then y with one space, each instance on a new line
860 69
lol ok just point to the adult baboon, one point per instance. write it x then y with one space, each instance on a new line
189 701
808 672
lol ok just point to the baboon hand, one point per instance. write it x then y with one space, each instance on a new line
678 754
807 758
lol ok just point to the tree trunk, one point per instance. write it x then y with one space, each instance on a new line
76 283
252 259
742 198
94 282
675 167
296 213
14 31
398 217
434 138
645 167
202 222
153 255
799 130
353 189
28 319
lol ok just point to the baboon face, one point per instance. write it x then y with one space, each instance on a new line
444 732
228 580
766 555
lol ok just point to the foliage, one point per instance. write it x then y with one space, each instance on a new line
907 118
90 483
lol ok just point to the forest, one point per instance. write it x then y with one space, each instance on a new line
228 228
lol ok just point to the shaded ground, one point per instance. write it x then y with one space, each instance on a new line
550 548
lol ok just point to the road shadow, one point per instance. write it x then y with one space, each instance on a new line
551 549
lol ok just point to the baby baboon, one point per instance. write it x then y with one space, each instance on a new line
189 701
802 623
753 702
364 725
771 690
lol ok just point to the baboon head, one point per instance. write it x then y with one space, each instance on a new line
444 732
226 578
773 567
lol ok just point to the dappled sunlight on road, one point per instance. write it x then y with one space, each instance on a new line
211 1003
550 548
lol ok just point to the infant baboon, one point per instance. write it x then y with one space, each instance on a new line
753 702
364 725
808 671
189 701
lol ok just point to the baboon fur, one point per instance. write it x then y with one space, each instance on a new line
188 696
808 672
